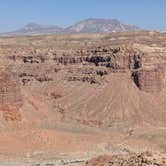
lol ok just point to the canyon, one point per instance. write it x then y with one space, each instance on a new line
74 97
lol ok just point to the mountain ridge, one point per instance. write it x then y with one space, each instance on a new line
90 25
99 25
34 28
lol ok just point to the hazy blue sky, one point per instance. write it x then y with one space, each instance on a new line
149 14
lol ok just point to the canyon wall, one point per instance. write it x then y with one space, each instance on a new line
88 65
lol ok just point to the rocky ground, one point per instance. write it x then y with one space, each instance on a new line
143 159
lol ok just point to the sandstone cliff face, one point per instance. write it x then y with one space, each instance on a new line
10 96
149 80
9 89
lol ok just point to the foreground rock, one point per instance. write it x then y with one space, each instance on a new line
144 159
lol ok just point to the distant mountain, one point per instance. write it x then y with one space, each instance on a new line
92 25
100 26
36 29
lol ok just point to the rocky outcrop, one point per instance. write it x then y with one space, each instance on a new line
115 58
135 61
33 59
11 114
65 60
26 78
88 79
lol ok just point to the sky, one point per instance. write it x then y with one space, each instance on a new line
147 14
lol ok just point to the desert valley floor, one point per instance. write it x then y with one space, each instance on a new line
83 99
